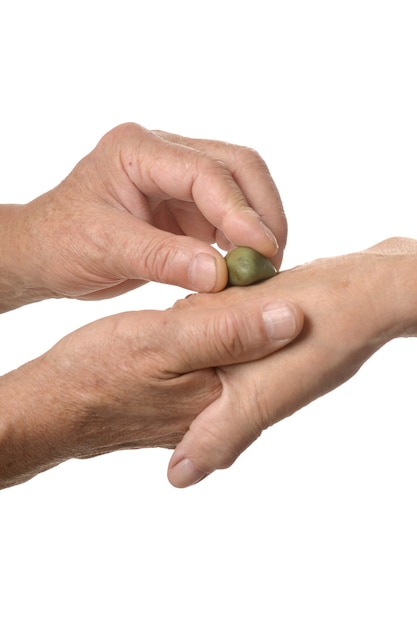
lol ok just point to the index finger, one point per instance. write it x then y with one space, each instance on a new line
252 176
212 177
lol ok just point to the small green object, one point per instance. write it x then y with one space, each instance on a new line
247 266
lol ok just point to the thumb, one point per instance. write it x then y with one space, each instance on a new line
148 253
223 429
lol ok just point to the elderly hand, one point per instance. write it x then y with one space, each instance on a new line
141 206
131 380
352 305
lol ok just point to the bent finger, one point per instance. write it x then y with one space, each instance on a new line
224 429
166 169
252 176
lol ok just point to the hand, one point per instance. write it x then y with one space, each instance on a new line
352 305
143 206
131 380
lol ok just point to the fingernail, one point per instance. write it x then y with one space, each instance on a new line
279 320
202 272
185 474
271 236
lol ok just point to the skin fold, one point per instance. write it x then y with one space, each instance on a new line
212 373
141 206
131 380
352 305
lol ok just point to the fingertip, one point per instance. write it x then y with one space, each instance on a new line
271 240
248 229
280 321
222 274
207 273
183 473
283 321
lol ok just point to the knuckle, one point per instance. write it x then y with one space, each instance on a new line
212 166
252 155
261 419
186 303
251 401
251 160
210 160
230 334
124 130
117 140
158 259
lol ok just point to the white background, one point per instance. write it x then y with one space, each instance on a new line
316 522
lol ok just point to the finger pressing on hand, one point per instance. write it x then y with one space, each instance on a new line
218 435
146 253
255 182
234 334
175 170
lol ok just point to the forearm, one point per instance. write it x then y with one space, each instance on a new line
18 285
122 382
34 424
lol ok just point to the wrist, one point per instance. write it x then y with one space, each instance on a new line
18 282
397 267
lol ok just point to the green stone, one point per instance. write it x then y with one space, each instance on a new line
247 266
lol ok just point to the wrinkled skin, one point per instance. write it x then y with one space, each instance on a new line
141 206
352 304
131 380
